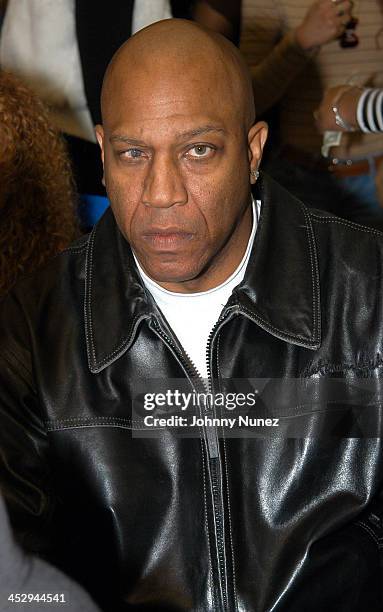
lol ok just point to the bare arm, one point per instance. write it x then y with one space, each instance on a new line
361 109
275 56
222 17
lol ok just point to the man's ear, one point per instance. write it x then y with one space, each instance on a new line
100 139
257 137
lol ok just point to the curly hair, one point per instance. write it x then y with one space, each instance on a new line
37 215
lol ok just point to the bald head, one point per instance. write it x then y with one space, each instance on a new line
175 51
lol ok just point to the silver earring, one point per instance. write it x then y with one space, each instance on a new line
255 174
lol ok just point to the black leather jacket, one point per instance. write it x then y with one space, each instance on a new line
272 523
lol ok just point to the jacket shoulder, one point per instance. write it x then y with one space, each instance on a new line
342 226
357 246
70 261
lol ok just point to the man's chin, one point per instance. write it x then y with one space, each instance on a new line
167 276
171 272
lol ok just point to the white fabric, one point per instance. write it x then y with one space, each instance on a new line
359 110
192 316
148 11
378 110
38 43
370 110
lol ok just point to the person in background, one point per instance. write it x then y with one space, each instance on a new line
37 216
296 50
30 583
349 109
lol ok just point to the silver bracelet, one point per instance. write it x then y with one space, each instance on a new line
338 118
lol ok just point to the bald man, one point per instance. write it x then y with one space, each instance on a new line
181 410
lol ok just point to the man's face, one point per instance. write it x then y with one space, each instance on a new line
177 172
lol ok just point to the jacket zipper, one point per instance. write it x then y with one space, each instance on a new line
216 471
215 468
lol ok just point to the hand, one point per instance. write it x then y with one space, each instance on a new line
324 21
348 102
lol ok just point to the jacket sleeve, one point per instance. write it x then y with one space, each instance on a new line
273 55
24 465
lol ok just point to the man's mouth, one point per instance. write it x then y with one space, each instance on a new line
166 239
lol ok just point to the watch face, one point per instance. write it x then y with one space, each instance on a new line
349 38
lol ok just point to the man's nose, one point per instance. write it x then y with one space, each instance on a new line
164 186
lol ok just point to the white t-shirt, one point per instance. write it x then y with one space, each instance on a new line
192 316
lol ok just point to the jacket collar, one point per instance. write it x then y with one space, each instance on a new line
280 291
115 300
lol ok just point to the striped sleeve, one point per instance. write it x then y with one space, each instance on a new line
369 112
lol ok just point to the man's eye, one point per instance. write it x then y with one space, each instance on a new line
132 154
200 151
